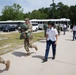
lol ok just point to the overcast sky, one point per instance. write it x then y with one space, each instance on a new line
29 5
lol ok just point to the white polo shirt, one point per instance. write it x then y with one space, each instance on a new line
74 28
64 26
51 34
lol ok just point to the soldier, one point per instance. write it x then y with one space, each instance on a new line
45 26
7 63
28 37
58 29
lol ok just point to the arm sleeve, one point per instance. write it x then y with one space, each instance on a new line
29 29
56 32
47 31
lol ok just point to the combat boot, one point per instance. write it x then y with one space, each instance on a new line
36 48
7 65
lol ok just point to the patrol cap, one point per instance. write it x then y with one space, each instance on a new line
26 19
50 23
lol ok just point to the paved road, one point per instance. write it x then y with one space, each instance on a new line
64 64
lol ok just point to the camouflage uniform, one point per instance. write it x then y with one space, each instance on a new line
58 29
7 63
28 40
45 26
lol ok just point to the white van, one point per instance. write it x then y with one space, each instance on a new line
34 26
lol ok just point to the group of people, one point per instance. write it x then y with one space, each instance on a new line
51 35
73 30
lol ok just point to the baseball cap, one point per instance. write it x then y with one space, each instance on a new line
51 23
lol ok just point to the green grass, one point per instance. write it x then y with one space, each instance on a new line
13 42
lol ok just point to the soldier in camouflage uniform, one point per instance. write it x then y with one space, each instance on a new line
45 26
28 40
7 63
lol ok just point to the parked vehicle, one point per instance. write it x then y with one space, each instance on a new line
1 27
34 26
8 28
41 22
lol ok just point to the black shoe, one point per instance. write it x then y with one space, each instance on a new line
44 60
53 58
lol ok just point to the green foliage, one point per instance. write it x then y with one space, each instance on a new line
72 13
56 11
13 12
36 14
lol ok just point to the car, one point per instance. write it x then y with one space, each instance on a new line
1 27
34 26
7 28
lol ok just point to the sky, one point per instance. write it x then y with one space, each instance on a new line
30 5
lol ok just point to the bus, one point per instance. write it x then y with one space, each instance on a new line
41 22
36 23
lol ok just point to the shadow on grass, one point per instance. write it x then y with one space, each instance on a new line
20 54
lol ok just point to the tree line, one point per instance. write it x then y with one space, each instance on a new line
54 11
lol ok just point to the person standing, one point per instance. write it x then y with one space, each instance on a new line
64 28
28 39
7 63
74 31
58 29
52 37
45 26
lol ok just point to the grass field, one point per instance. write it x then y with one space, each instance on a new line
11 41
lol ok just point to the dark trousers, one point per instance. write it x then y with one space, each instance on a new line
48 44
64 29
74 35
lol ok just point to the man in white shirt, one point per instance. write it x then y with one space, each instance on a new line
51 37
74 32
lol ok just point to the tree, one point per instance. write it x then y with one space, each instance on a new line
36 14
53 10
63 10
0 18
56 11
27 15
44 12
14 12
72 14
